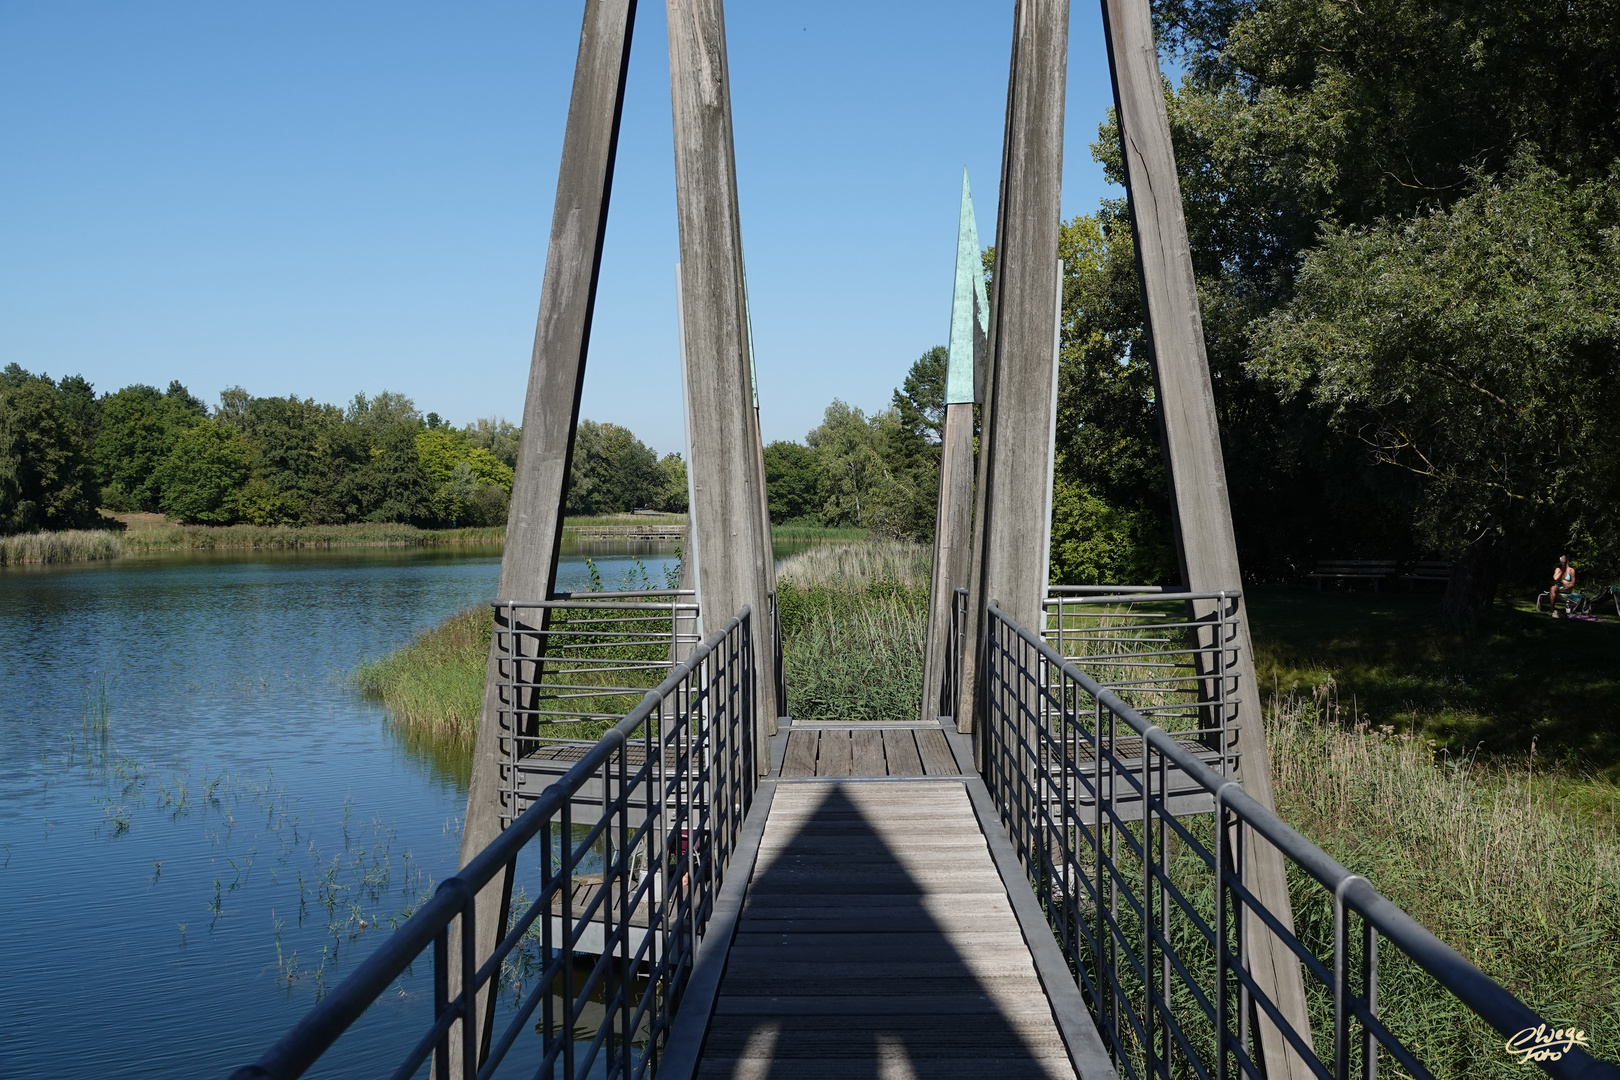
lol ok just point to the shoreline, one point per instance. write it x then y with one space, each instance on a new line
91 545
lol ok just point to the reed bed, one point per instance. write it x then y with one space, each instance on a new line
854 618
82 545
858 661
77 545
853 567
207 537
434 685
1497 860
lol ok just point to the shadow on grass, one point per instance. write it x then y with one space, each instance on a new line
1517 677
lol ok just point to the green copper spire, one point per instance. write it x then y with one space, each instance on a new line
970 311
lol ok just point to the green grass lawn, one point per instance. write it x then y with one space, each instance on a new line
1388 658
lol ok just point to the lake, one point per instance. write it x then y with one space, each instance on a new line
202 825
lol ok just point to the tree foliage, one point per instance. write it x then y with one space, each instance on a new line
46 480
1337 165
201 477
878 472
613 472
1473 347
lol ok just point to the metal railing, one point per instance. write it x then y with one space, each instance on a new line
1155 914
1141 642
663 837
575 664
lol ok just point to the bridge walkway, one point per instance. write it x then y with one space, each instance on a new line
875 934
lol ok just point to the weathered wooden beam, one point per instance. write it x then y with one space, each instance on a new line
1015 428
727 487
550 415
1192 444
953 520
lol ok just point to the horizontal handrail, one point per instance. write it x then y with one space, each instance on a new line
1142 593
1091 590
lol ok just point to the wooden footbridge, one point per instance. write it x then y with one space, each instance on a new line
1064 864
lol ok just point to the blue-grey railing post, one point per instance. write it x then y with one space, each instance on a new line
441 999
1221 990
1369 991
470 1037
570 934
1341 979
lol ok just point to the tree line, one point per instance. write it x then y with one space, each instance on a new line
66 453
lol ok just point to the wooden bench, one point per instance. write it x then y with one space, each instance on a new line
1428 570
1373 570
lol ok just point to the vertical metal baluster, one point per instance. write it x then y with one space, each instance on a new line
548 1017
1341 1025
1239 927
1369 990
470 1035
1105 971
610 874
1117 1007
658 865
570 937
1220 935
1164 903
626 860
1149 991
1065 808
441 999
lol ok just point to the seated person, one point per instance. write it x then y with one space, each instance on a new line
1563 582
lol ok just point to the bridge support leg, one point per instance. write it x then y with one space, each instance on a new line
953 522
1203 518
953 546
726 482
550 416
1009 533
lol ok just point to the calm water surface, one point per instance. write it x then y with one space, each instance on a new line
201 824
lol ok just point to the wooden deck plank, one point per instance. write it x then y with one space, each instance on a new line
868 753
937 759
877 938
832 754
901 749
800 759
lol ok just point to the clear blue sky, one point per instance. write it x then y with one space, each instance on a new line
324 198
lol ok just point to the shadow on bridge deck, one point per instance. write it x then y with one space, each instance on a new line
877 939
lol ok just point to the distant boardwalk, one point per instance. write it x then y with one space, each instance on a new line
626 532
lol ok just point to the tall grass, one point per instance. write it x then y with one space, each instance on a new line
173 537
854 618
855 567
1492 858
77 545
80 545
434 685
